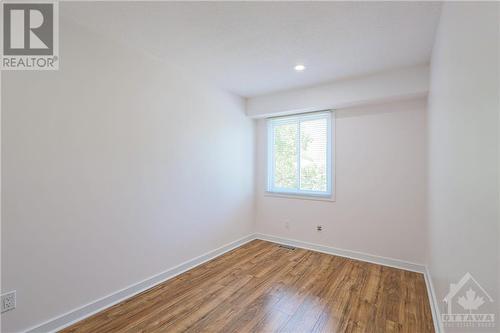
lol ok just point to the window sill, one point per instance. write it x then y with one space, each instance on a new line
300 196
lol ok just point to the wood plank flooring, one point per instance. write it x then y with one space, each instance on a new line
262 287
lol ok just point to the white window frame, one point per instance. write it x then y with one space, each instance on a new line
298 193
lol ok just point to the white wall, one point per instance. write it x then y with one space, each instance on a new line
114 168
463 147
380 186
110 165
402 83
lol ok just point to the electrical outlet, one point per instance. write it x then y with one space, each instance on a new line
8 301
287 223
319 227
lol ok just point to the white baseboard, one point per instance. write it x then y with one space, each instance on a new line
89 309
396 263
384 261
436 314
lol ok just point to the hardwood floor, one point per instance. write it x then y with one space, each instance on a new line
262 287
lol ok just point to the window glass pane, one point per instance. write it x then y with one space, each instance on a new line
313 155
285 156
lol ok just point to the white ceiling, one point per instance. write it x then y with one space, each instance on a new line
250 48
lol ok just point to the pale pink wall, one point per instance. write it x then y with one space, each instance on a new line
114 168
463 148
380 154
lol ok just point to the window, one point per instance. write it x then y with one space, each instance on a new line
300 154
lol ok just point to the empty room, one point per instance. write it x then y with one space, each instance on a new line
226 166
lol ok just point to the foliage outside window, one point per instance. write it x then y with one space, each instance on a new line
299 154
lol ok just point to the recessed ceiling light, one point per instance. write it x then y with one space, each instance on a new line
299 68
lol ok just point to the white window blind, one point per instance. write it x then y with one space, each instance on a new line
300 154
